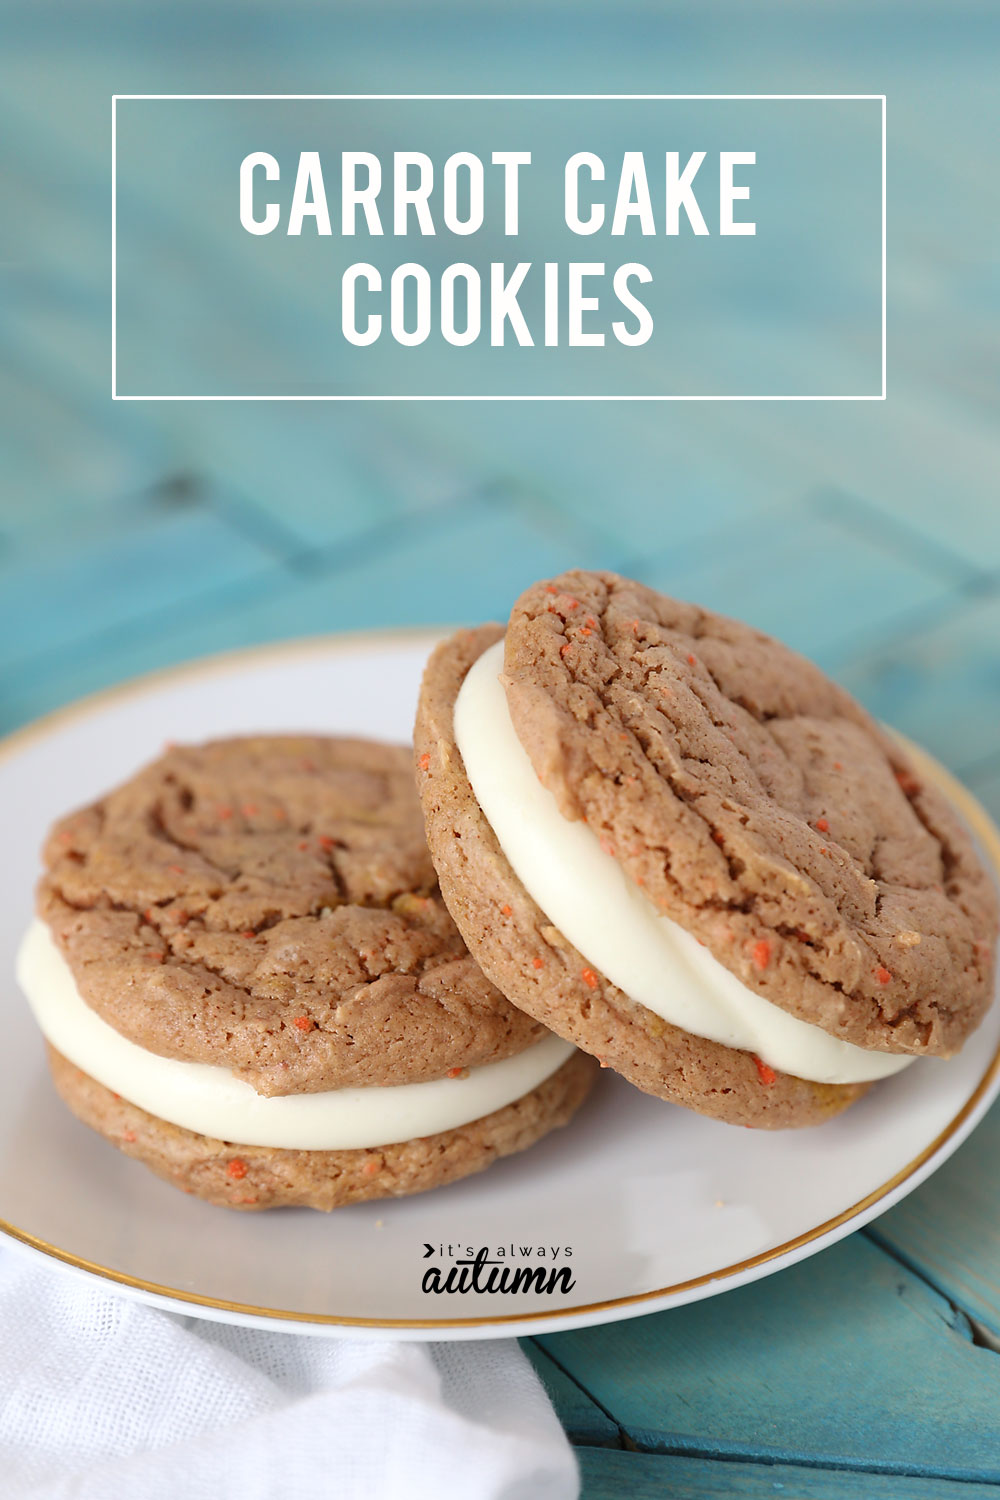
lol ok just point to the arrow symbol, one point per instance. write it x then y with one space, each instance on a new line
428 1249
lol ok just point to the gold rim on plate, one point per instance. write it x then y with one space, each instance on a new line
978 820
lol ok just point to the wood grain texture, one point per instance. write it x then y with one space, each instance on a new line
939 682
847 1360
579 1413
841 587
609 1475
949 1231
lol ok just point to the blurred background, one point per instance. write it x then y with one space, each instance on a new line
136 535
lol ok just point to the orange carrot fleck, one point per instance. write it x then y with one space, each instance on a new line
882 975
128 1135
248 932
761 954
822 825
506 911
249 809
303 1023
424 761
455 1072
237 1168
692 660
564 650
303 844
907 781
589 978
764 1073
539 963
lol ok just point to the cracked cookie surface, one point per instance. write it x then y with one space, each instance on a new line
269 904
544 974
721 807
759 806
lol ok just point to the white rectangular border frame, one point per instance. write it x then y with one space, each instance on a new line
116 396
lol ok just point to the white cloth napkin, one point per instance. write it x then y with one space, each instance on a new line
102 1398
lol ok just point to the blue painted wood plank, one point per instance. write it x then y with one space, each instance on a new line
582 1418
846 1360
464 564
799 573
331 480
940 684
950 1228
642 477
928 462
633 463
608 1474
712 461
90 578
49 482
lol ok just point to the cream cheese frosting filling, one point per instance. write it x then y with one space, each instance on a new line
211 1101
584 892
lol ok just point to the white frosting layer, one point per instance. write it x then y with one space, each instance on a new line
584 892
212 1102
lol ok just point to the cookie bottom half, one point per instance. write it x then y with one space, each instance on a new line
255 1177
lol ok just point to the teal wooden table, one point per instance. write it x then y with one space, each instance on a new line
132 536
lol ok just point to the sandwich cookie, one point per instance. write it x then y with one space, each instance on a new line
247 978
682 847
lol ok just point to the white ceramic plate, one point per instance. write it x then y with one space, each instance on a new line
659 1206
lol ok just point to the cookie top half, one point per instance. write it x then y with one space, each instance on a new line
268 904
759 806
